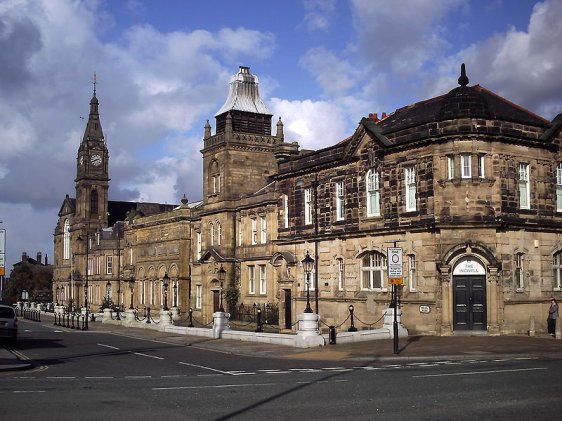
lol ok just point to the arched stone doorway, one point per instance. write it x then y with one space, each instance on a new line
469 295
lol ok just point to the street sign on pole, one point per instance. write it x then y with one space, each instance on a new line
394 262
2 252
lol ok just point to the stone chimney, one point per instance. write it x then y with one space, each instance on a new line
39 257
24 256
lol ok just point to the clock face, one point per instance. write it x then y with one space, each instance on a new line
95 160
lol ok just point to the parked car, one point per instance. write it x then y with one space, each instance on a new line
8 323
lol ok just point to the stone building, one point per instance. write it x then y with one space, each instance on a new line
467 184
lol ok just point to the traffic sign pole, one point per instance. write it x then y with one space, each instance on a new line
395 278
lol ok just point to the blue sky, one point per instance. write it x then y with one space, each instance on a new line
163 69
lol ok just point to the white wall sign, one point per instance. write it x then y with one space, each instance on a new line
469 266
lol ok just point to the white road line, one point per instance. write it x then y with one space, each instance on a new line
138 377
220 386
149 356
61 377
108 346
205 368
28 391
472 373
98 377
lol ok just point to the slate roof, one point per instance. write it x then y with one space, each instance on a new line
118 210
462 102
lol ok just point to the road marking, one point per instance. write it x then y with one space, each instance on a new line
61 377
108 346
99 377
239 373
219 386
206 368
138 377
471 373
29 391
149 356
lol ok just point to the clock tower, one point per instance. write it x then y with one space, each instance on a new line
92 176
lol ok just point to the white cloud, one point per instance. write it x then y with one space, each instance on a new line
523 66
314 124
334 75
318 14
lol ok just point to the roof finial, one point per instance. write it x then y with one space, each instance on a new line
94 83
463 80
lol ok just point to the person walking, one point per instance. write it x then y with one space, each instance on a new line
552 316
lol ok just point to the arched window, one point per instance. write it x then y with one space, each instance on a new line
219 233
214 178
94 202
211 234
66 240
373 271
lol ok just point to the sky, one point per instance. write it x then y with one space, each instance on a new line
163 68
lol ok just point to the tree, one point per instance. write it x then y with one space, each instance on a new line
37 280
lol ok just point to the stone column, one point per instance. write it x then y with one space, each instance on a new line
493 323
445 279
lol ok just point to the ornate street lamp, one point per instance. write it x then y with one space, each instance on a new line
85 326
308 264
165 283
131 287
108 293
222 276
175 287
57 295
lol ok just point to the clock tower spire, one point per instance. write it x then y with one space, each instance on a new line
92 176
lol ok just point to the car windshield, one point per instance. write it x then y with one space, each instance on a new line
7 313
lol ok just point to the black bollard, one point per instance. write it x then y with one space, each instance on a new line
190 317
259 327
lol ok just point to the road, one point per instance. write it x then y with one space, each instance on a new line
96 375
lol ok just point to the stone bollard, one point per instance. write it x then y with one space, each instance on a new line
106 315
220 323
165 319
388 322
175 314
532 330
308 333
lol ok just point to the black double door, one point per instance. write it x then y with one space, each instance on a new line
469 302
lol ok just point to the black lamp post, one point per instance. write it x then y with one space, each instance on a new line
222 276
308 264
87 264
57 295
131 288
352 328
108 292
175 287
165 283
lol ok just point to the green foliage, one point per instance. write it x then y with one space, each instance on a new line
232 291
37 280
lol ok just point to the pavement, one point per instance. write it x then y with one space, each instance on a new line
456 347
